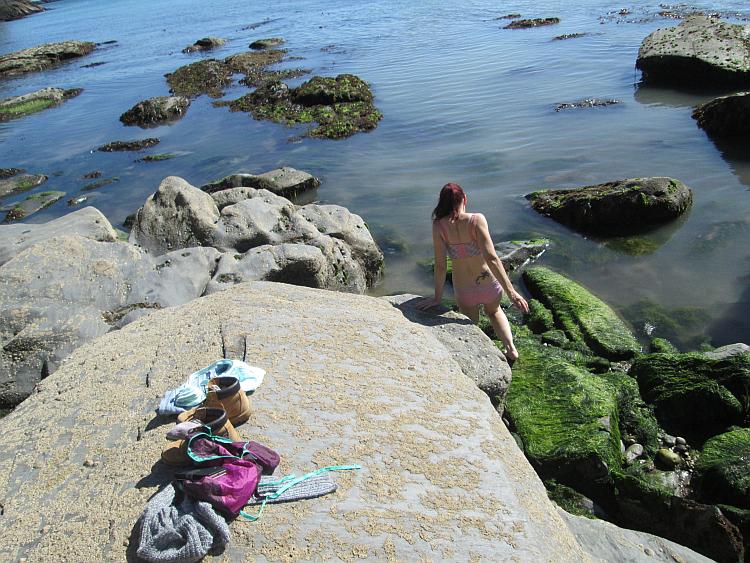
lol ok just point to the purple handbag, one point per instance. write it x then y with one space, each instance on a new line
205 449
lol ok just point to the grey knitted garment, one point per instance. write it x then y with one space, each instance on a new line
180 533
313 487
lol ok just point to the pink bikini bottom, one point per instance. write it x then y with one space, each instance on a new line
482 294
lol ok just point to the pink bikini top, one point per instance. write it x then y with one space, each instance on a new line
461 250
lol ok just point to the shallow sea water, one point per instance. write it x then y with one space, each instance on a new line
463 100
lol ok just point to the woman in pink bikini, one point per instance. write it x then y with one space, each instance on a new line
478 274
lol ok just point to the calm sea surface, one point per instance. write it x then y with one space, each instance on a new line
463 100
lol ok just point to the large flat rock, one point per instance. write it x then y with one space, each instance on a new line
350 380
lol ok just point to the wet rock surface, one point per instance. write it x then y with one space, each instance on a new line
205 44
285 181
17 9
529 23
619 207
30 205
699 49
587 103
340 106
153 112
27 104
116 146
267 43
725 117
42 57
16 182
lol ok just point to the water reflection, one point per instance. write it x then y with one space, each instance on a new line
685 97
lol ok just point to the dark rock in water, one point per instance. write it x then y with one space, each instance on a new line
87 222
536 22
693 395
267 43
156 157
515 254
17 9
31 205
94 65
116 146
74 201
205 44
619 207
583 316
8 172
91 175
684 327
340 106
18 183
700 50
156 111
26 104
203 77
99 184
728 116
42 57
587 103
569 36
722 473
508 17
285 181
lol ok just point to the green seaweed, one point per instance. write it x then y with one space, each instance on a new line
636 417
25 108
540 318
583 316
722 472
157 157
203 77
569 499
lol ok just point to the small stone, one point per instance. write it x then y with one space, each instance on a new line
681 448
649 552
668 458
668 440
633 452
45 530
680 441
88 463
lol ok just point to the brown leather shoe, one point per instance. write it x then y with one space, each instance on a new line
175 454
229 396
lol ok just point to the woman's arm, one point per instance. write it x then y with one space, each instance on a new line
484 241
441 268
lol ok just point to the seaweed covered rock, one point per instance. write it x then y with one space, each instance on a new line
156 111
699 50
20 182
17 9
584 317
32 204
540 318
202 77
693 395
636 418
566 418
615 208
722 473
26 104
284 181
42 57
725 117
340 106
267 43
117 146
535 22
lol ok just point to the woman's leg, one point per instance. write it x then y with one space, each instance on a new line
502 328
469 309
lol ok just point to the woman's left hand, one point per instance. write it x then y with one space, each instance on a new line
519 302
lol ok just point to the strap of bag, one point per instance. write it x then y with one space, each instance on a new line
220 440
290 481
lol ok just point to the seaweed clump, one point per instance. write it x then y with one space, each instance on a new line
339 106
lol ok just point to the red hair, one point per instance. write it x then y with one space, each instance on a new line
451 198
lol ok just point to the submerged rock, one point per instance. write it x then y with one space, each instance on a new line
99 184
565 36
536 22
26 104
88 222
17 9
267 43
156 111
698 51
31 205
179 215
340 106
8 172
285 181
728 116
722 473
42 57
693 395
116 146
205 44
584 317
19 182
616 208
587 103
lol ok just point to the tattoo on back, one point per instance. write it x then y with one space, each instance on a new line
482 276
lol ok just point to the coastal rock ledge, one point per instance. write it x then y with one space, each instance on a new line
349 380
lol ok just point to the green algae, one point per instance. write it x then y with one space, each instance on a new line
540 318
693 395
636 417
661 345
584 317
684 327
722 472
569 499
99 184
25 108
156 157
566 417
203 77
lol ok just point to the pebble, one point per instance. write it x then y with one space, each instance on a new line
45 530
89 463
668 440
648 551
680 448
680 441
633 452
668 458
